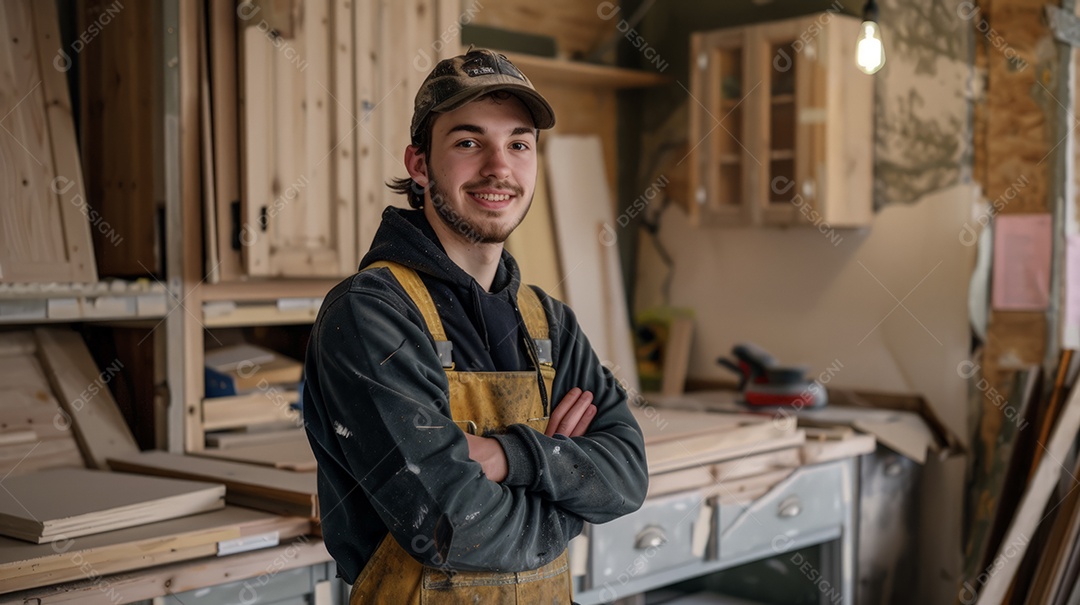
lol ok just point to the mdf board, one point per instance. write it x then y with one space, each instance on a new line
586 229
291 204
117 109
37 507
83 390
46 235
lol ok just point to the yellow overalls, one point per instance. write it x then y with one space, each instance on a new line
480 403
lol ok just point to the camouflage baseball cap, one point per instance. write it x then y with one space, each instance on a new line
458 80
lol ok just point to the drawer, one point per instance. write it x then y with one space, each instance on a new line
811 500
658 536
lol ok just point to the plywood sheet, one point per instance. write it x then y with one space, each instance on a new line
245 483
38 507
586 229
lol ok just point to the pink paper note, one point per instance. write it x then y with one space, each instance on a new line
1021 262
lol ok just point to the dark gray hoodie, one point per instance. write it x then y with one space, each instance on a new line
375 386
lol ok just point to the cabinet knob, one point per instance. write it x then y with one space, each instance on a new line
808 189
702 60
650 537
790 507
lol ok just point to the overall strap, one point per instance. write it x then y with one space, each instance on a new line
418 292
532 312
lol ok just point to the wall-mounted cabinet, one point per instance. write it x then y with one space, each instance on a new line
781 124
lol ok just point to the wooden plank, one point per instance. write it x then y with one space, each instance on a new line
292 453
41 189
206 119
228 440
118 114
84 394
578 27
369 156
816 452
224 81
256 111
182 577
663 425
17 343
712 474
256 484
1033 503
263 407
585 233
22 372
344 138
32 565
1049 580
34 507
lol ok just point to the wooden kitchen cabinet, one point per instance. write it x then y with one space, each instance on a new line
781 124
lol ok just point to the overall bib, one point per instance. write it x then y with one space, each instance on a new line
480 403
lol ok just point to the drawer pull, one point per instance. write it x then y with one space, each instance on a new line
790 507
650 537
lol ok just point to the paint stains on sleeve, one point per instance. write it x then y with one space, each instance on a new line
420 516
341 430
413 468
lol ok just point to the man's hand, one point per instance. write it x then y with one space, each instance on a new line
573 414
489 453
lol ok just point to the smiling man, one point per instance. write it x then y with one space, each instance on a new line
463 426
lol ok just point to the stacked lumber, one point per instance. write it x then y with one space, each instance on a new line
37 508
695 444
24 566
34 432
270 489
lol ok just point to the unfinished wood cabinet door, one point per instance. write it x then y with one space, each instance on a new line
783 122
43 211
299 129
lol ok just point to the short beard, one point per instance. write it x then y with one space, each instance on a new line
475 234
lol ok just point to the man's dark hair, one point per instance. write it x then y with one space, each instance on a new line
412 190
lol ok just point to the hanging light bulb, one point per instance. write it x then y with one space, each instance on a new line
869 50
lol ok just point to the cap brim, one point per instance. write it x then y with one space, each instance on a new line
542 114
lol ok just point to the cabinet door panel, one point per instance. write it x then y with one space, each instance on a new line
294 137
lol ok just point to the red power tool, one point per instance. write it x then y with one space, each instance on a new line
765 384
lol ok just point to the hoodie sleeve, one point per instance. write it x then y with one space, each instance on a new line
601 475
382 406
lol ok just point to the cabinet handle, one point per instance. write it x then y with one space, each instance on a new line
650 537
790 507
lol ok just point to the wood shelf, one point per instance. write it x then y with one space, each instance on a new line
781 99
113 300
267 290
590 74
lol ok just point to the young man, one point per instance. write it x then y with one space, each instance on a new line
464 427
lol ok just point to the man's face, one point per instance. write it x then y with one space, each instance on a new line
482 169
